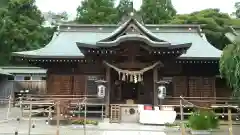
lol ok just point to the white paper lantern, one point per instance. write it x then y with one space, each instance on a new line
101 90
161 92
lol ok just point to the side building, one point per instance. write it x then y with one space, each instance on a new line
17 80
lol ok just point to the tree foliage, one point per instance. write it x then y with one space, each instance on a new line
124 8
56 18
3 3
157 11
215 24
97 12
21 28
237 6
230 66
61 16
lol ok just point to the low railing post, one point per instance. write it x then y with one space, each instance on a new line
230 120
182 118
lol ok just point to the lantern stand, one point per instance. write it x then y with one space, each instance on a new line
101 87
161 90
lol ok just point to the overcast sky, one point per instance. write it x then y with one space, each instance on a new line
182 6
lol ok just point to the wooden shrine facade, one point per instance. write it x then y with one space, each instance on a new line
131 58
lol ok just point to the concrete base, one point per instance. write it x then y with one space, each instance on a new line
107 120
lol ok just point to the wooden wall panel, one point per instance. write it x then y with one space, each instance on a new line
79 85
201 87
50 86
180 86
66 84
60 84
72 84
222 89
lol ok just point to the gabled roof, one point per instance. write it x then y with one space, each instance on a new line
63 44
132 26
132 30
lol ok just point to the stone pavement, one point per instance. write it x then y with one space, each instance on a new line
104 128
42 128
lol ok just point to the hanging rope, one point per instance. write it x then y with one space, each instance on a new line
132 72
133 76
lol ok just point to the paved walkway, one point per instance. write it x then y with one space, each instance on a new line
8 128
102 129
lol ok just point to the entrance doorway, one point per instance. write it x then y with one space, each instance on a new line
140 92
130 90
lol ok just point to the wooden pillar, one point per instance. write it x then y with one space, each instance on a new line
58 118
155 79
214 87
107 96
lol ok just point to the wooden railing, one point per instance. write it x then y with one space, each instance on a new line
201 100
68 102
218 104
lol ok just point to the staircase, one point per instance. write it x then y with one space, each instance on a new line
115 116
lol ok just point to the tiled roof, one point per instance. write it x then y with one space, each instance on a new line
63 44
23 70
3 72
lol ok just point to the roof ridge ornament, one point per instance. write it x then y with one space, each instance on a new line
131 15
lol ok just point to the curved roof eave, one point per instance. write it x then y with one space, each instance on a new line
198 58
25 55
125 25
54 49
133 37
2 72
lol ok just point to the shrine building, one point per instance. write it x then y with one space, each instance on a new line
132 58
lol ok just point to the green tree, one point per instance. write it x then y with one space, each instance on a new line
3 3
21 28
57 17
215 24
230 66
124 8
237 6
157 11
97 12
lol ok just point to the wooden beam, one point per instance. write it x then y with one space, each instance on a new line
155 79
107 96
132 65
